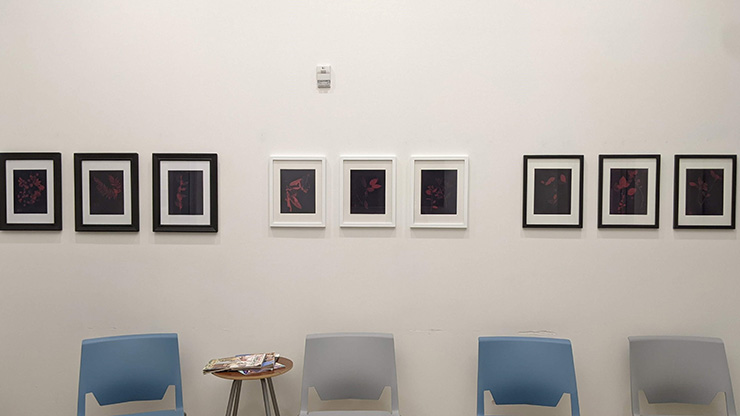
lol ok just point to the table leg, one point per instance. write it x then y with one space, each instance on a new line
274 399
264 397
236 397
230 403
233 405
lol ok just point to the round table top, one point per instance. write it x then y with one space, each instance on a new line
235 375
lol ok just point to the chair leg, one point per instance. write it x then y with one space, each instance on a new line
274 399
264 397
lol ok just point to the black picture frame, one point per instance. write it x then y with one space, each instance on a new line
629 191
25 179
185 192
546 179
106 192
696 201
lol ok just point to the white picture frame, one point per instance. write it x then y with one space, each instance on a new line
297 189
367 191
553 191
433 203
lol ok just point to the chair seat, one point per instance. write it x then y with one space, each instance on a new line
350 413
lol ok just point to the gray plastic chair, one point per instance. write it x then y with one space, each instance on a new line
688 370
349 366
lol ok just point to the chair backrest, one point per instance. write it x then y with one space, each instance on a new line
349 366
689 370
524 370
129 368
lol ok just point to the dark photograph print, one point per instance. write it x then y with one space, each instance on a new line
30 194
367 191
185 192
629 192
439 191
705 191
106 192
298 187
552 191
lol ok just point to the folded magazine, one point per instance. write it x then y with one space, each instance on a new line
244 363
235 363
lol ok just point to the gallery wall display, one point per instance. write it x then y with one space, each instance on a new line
185 192
439 189
553 191
368 192
629 190
297 189
31 191
704 191
106 191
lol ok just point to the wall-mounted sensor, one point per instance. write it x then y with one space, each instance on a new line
323 76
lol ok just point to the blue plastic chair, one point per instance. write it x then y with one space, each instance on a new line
130 368
522 370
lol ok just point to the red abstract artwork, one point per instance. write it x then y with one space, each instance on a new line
30 192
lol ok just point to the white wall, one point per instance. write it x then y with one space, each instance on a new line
490 79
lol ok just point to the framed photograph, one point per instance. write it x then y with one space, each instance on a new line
439 192
31 191
106 191
553 191
704 194
629 189
297 192
185 189
368 192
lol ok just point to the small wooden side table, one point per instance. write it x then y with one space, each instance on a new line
268 391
